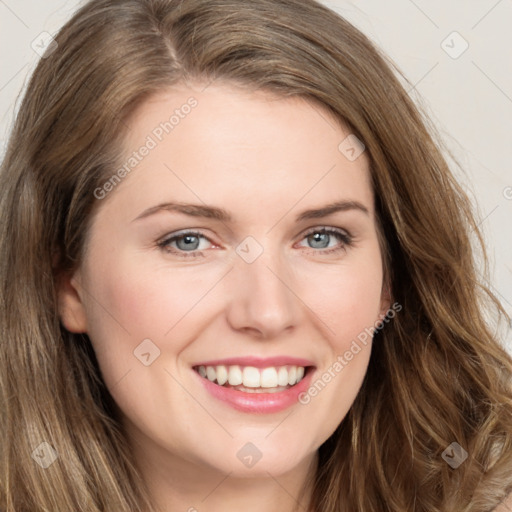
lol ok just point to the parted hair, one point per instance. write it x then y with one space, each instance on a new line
438 372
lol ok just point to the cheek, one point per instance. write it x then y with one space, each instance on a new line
349 301
349 305
132 299
144 299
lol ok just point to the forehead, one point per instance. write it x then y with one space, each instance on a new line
225 144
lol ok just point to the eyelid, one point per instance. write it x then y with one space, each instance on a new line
163 243
346 237
316 229
183 232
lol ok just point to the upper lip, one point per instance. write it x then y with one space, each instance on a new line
257 362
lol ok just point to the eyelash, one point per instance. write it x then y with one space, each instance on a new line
345 237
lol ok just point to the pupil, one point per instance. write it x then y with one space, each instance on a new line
321 239
190 242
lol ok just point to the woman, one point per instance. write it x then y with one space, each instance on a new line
237 272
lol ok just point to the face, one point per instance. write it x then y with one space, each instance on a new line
239 249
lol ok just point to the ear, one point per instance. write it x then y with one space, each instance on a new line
70 305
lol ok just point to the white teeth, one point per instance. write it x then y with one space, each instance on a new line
269 378
282 376
292 375
210 373
235 376
252 377
222 375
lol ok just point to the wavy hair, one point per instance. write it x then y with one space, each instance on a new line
438 372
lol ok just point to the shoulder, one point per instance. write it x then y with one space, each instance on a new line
505 506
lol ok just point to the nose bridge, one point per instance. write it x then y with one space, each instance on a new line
261 298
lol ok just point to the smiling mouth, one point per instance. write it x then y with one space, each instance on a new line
250 379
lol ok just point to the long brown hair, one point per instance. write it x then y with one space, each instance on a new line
437 374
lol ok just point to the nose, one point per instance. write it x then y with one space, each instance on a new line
262 300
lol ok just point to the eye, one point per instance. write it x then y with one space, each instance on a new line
185 244
325 239
190 244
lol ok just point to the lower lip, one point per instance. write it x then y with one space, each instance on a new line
258 402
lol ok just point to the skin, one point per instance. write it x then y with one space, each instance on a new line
264 160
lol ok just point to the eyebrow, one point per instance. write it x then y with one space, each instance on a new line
217 213
338 206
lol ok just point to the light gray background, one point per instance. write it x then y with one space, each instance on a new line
468 96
